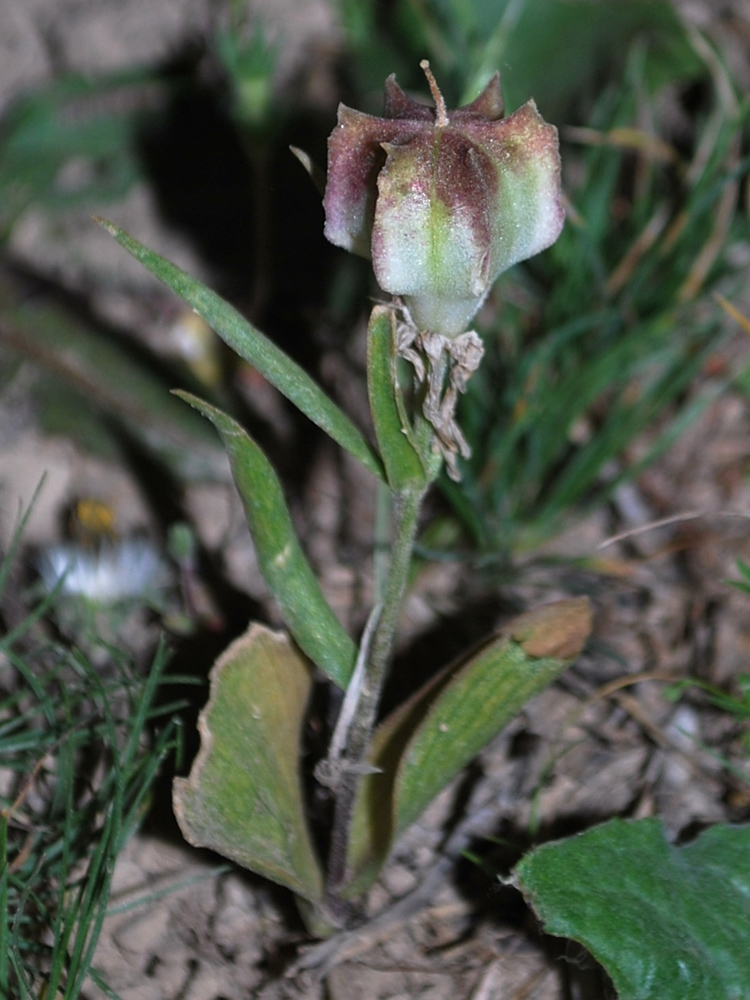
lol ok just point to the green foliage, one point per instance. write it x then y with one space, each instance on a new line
244 794
253 811
249 61
404 461
735 704
62 717
284 565
547 415
598 339
744 582
612 340
554 52
85 125
586 349
255 347
426 742
665 921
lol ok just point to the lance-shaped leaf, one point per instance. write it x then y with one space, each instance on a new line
424 744
284 566
403 465
666 922
252 345
243 797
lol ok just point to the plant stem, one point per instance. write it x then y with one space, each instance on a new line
406 506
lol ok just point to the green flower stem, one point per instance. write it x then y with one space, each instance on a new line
382 540
406 506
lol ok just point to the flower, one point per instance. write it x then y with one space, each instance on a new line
119 571
443 201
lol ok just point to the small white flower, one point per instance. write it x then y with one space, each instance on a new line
120 571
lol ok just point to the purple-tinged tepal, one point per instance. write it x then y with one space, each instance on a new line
443 201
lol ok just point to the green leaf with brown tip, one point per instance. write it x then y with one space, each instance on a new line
252 345
426 742
243 797
284 565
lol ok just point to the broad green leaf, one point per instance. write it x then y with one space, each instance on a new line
424 744
255 347
667 923
403 465
244 794
282 562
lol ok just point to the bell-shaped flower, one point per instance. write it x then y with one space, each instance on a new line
443 201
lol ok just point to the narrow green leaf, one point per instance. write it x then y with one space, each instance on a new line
424 744
282 562
665 921
243 797
402 463
255 347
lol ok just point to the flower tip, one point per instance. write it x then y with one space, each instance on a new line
441 118
489 105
